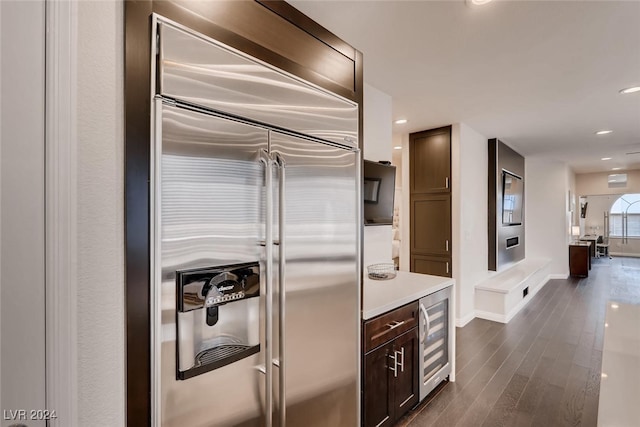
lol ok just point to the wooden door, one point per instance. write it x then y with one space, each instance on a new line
430 160
377 385
406 383
430 201
431 224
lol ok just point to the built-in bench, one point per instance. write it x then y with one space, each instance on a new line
502 295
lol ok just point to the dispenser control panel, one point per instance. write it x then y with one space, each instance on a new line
217 317
209 287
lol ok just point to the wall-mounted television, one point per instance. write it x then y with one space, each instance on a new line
378 189
512 198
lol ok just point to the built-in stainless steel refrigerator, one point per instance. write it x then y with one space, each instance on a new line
256 223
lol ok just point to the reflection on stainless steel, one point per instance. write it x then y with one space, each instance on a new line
223 199
208 74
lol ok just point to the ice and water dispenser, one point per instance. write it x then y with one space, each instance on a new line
217 317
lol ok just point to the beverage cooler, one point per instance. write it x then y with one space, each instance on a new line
435 340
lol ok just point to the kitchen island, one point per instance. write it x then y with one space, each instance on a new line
408 343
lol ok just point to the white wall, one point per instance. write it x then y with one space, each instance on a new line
377 124
546 213
101 334
377 146
594 221
469 216
22 282
596 183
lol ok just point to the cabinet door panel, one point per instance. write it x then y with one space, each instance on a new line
431 224
430 165
377 382
406 384
437 266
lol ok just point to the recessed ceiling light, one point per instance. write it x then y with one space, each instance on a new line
480 2
630 90
603 132
615 169
614 306
400 121
603 375
606 158
397 147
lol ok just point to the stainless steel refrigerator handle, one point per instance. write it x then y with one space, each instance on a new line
266 159
280 163
427 323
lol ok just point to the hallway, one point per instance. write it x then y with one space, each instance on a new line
541 369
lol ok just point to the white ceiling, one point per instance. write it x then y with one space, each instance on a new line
542 76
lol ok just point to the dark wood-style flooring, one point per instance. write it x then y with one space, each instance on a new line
543 367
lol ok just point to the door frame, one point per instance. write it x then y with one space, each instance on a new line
61 200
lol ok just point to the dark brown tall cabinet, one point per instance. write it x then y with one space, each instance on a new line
430 199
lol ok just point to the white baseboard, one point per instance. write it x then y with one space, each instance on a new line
557 276
622 254
461 322
491 316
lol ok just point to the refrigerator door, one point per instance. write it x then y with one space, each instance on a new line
209 191
320 283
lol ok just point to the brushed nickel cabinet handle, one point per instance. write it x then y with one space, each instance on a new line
401 354
395 324
394 367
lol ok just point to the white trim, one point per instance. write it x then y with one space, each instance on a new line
623 254
61 212
461 322
558 276
487 315
1 214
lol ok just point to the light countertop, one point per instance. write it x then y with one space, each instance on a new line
620 382
380 296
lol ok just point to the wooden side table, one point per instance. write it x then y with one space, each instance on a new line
580 258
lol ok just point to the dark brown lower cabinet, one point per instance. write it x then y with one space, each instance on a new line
580 259
390 380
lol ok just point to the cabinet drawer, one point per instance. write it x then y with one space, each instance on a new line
387 326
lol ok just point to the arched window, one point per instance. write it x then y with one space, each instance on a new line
628 204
